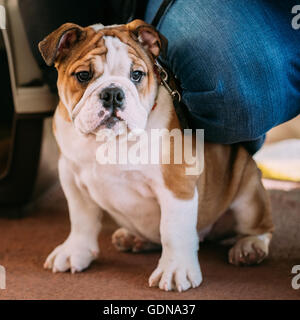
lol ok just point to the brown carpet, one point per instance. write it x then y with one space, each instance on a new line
25 243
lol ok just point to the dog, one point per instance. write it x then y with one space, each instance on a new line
107 77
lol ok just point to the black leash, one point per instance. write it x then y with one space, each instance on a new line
172 85
163 7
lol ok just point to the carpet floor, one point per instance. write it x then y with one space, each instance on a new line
26 242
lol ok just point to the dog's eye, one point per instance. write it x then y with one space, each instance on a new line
83 76
136 76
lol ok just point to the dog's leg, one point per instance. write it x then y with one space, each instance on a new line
178 267
81 246
253 220
123 240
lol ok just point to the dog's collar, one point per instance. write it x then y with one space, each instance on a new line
154 106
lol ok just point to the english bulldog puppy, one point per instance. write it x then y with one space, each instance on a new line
107 79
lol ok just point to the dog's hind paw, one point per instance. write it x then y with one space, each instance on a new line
249 250
123 240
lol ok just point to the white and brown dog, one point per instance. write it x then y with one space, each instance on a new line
106 76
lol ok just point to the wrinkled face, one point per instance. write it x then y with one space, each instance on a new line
106 79
110 83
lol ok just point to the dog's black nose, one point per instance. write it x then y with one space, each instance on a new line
112 98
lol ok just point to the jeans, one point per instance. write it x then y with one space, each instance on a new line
238 62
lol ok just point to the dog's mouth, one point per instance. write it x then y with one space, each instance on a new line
110 121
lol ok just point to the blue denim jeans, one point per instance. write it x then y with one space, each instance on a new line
238 62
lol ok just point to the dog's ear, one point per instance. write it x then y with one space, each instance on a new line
58 43
149 37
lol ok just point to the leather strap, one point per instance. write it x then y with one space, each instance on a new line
167 78
172 85
163 7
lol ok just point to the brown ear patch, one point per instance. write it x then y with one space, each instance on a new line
149 37
58 43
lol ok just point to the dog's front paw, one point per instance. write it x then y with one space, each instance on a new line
71 255
179 273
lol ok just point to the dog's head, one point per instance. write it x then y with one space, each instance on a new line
105 74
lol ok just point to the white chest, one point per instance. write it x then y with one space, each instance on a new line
127 195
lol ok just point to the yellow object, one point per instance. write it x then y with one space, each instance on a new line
280 161
270 173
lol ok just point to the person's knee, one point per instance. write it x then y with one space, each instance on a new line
239 96
250 110
230 114
228 121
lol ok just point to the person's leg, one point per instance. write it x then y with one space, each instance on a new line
238 63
